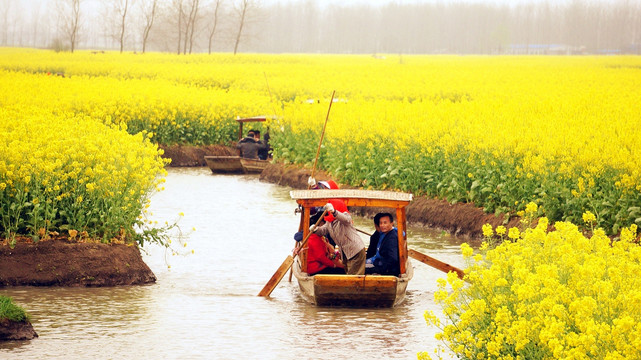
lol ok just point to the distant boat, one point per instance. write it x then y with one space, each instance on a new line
236 164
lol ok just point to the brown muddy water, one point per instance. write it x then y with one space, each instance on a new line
205 306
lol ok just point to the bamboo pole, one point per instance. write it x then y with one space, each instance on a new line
322 136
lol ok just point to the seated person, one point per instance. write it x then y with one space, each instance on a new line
373 239
321 258
263 153
249 147
382 254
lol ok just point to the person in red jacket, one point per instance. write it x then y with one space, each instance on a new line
321 258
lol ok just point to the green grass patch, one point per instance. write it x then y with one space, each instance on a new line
11 311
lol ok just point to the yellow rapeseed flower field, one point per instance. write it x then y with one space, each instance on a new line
528 136
497 131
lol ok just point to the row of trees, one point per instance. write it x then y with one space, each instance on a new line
183 26
186 26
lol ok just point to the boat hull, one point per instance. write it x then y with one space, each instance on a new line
235 165
253 166
224 164
353 290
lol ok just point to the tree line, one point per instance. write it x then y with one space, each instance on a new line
308 26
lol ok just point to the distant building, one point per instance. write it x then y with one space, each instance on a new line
545 49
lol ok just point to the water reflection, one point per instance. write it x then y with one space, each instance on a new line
206 306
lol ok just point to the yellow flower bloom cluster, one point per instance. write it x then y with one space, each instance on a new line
69 172
550 295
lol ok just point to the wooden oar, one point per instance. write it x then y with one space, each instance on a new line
282 270
428 260
437 264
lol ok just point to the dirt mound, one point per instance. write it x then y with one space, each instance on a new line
460 219
16 330
188 155
60 263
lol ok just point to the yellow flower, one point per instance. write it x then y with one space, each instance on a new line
501 230
531 208
467 250
487 230
589 217
514 233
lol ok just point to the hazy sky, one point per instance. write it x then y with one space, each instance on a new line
92 3
355 26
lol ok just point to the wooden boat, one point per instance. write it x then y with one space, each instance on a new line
235 164
354 290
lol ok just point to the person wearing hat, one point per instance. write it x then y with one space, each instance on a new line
323 184
339 225
329 184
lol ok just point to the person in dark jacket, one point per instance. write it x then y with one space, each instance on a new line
249 147
263 154
384 260
373 240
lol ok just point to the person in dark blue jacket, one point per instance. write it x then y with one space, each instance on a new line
373 239
382 254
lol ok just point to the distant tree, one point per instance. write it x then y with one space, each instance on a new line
186 12
35 22
119 10
244 10
5 8
69 20
190 25
214 21
149 10
178 7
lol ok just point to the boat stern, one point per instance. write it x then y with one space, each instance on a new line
355 290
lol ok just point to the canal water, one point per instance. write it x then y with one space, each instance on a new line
204 305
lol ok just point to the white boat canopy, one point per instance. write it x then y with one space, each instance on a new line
350 194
